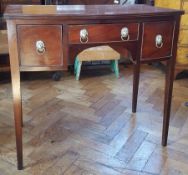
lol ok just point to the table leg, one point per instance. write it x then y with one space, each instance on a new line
167 99
18 117
16 91
136 76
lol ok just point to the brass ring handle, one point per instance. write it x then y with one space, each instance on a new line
40 47
124 34
159 41
83 36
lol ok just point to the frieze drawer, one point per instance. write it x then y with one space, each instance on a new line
157 40
40 45
95 33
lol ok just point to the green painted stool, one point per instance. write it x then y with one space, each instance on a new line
98 53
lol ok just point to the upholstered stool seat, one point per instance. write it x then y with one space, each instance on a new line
98 53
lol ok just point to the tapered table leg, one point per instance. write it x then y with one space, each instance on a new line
135 86
136 71
170 70
167 99
17 104
18 118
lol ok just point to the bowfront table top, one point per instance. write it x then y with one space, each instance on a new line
86 11
45 38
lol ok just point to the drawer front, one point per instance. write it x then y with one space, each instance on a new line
157 32
40 45
183 38
103 33
182 55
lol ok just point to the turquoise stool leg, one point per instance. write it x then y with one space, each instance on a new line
115 67
75 65
112 65
78 69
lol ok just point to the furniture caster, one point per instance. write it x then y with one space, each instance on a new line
57 76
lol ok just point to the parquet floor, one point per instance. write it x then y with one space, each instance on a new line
86 127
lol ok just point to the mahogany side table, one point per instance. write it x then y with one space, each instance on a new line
45 38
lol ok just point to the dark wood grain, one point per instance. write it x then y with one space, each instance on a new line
150 31
28 35
16 91
4 3
73 12
26 24
102 33
136 70
169 85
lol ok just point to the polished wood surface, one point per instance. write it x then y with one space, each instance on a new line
15 74
154 28
4 65
102 33
83 11
28 35
93 18
4 3
169 84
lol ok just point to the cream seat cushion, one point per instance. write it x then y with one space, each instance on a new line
98 53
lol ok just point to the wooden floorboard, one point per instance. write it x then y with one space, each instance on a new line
86 127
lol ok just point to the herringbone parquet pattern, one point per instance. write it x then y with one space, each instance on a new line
86 127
